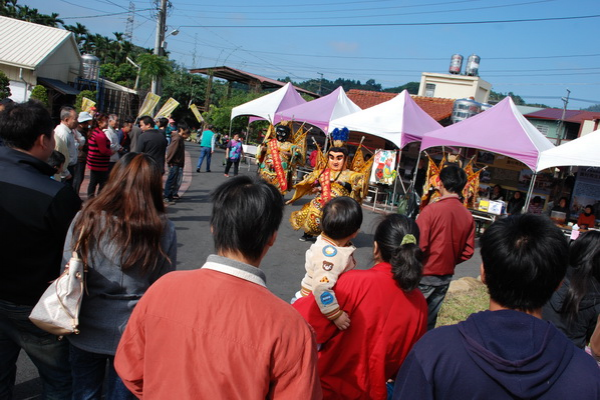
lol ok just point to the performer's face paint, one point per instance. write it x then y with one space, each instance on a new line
283 133
337 160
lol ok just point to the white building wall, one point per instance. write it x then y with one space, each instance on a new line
455 86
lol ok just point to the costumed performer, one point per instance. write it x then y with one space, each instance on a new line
327 182
279 156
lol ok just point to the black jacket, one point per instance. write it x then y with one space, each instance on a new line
35 213
581 328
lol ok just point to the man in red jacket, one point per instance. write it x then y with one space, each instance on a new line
447 239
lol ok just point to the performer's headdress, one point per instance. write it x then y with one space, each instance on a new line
339 137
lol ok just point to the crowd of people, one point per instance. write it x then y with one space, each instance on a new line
148 331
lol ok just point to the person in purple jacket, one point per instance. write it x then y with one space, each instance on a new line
507 352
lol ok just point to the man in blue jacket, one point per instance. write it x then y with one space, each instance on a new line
507 352
35 213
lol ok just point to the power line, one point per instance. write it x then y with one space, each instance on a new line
362 16
506 21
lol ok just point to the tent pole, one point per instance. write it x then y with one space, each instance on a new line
397 177
414 180
529 192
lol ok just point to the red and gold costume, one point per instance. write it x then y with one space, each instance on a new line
278 157
329 181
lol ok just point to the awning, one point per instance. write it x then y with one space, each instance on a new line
59 86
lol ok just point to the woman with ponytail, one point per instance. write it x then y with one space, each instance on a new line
575 306
127 243
388 312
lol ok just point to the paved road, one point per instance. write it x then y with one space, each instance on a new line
283 265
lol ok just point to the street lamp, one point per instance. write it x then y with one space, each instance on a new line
174 32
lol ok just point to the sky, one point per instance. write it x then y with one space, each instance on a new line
537 49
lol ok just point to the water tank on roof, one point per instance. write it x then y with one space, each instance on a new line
90 67
472 68
456 64
464 108
485 106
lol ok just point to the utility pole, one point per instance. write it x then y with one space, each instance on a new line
161 26
320 83
130 21
562 128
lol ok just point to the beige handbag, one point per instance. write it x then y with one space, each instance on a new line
57 311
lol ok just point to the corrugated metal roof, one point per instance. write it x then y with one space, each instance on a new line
25 44
552 114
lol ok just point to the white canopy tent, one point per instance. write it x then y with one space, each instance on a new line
581 152
267 106
321 111
399 120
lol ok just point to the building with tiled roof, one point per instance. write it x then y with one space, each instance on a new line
576 123
438 108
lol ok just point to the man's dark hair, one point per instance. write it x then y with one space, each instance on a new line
182 126
338 150
525 258
126 121
342 216
210 127
22 123
453 178
246 213
163 122
147 120
56 159
65 112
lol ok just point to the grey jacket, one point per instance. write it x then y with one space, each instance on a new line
113 292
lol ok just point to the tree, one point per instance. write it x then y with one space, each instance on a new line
90 94
41 94
153 66
4 86
220 115
411 87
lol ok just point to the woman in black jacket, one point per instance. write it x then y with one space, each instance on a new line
575 306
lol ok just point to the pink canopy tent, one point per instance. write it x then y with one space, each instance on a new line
399 120
321 111
267 106
502 129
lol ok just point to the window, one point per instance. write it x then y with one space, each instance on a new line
429 90
543 129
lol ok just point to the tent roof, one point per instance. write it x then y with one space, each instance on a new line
501 129
267 106
321 111
582 151
399 120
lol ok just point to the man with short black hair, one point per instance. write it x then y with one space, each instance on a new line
507 352
218 332
447 239
175 162
152 142
35 213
